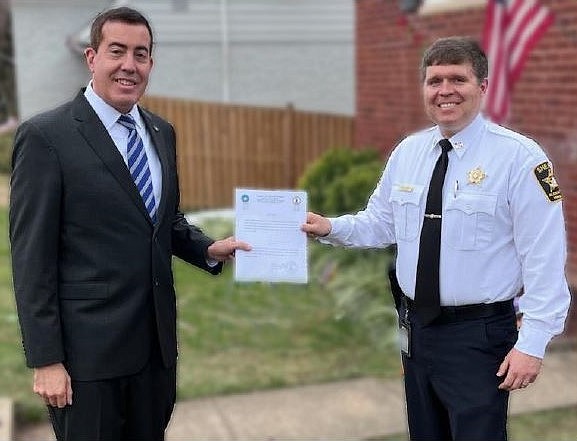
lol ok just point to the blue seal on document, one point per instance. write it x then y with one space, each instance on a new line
244 198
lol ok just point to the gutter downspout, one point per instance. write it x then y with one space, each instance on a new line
225 51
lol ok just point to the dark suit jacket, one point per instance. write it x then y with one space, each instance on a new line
92 274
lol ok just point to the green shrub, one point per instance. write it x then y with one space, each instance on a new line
358 283
6 140
341 180
349 192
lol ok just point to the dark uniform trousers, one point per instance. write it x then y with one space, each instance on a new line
131 408
451 384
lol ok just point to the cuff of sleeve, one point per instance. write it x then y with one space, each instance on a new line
337 227
532 341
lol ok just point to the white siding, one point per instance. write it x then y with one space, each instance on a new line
274 51
253 20
47 72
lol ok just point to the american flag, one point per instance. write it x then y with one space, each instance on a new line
512 28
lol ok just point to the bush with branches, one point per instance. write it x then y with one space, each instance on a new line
337 183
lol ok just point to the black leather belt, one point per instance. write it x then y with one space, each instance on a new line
451 314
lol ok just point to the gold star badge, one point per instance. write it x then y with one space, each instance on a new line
476 176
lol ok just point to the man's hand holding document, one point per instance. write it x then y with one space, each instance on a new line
270 220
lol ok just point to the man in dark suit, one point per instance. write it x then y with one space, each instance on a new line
94 223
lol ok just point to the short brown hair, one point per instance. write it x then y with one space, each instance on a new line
122 14
456 50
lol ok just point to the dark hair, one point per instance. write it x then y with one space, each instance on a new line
122 14
456 50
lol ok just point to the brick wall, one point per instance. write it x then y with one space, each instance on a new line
544 107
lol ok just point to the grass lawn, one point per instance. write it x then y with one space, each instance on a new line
550 425
233 338
244 337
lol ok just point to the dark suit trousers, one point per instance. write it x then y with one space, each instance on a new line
132 408
451 382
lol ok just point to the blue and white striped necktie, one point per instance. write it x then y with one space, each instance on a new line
138 165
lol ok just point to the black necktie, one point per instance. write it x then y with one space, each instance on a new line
427 297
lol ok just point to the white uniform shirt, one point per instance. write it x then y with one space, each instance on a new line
119 134
502 226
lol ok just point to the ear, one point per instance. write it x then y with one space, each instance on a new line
484 84
89 54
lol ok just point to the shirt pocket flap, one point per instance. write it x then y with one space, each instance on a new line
406 194
470 203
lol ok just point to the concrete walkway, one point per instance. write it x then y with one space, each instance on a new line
350 410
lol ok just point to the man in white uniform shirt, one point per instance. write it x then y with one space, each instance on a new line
501 232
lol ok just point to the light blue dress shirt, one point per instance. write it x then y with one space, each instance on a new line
119 134
502 230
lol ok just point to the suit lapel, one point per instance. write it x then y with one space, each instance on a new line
96 136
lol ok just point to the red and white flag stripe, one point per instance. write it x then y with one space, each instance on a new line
512 28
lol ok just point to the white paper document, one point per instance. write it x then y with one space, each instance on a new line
270 221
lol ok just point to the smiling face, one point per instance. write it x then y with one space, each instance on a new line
121 64
452 96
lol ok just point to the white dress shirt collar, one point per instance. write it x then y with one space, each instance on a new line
465 139
108 114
